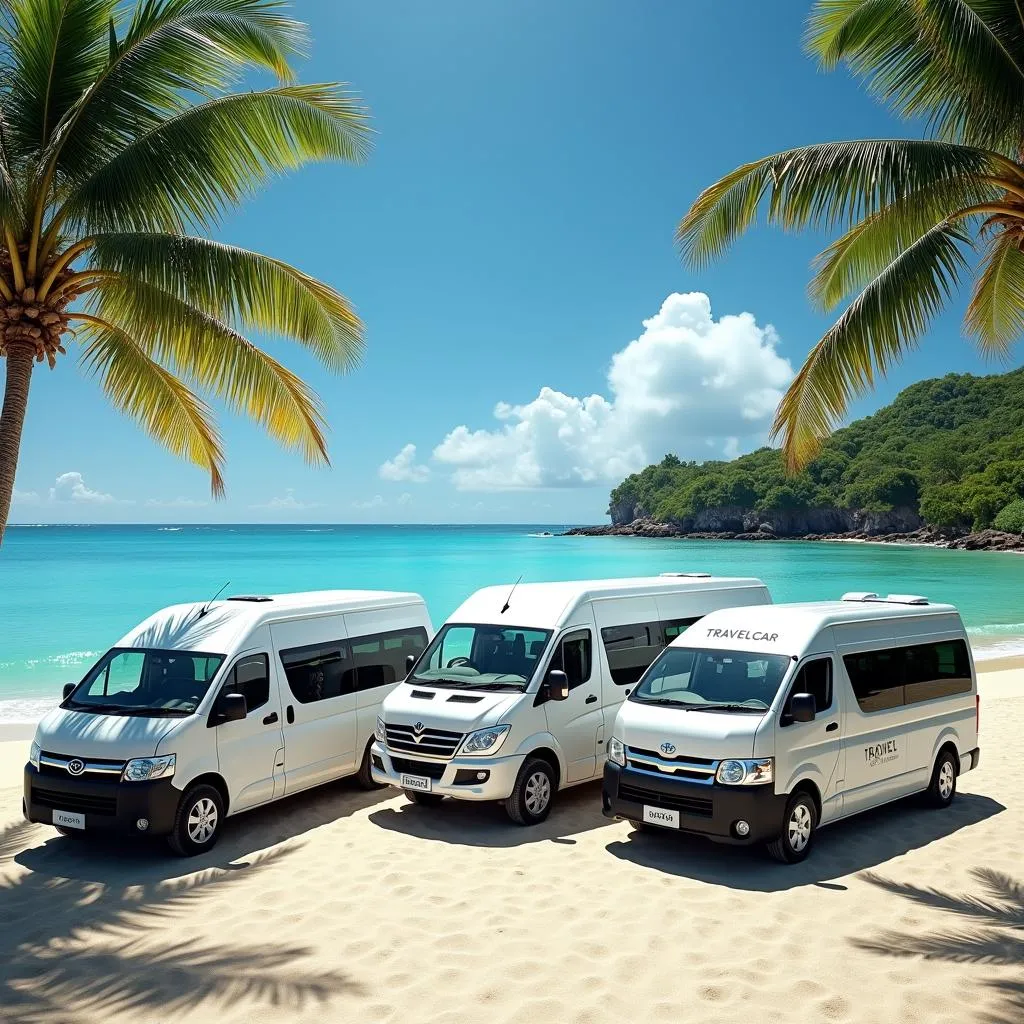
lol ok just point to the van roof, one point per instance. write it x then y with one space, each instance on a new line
548 605
226 623
789 628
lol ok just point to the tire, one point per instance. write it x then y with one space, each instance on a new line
798 825
363 777
942 788
198 821
533 794
423 799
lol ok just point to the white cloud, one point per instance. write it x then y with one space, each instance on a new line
404 467
689 381
375 502
175 503
71 487
25 497
405 499
286 502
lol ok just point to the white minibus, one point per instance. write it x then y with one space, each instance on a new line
762 724
514 697
205 710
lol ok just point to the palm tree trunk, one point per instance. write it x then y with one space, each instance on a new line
12 419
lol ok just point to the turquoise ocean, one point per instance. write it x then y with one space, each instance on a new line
67 593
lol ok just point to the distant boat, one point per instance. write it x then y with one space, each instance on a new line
544 533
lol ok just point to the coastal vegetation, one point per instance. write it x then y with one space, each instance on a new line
123 143
949 451
921 218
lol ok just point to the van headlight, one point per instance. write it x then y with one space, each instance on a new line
485 741
617 751
33 755
746 773
379 732
145 769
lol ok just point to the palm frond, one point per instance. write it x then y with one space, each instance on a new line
995 316
886 319
152 396
218 359
252 291
826 185
188 169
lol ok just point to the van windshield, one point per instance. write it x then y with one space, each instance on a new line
481 657
132 681
705 680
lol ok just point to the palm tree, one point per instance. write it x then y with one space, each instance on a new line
921 216
121 145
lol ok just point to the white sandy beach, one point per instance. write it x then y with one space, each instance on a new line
345 906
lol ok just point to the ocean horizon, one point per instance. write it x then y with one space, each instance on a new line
69 592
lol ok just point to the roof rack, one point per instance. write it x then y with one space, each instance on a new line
256 598
868 597
688 575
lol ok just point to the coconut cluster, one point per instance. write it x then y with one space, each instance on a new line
25 320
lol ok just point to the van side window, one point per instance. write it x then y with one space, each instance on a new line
574 657
815 678
672 628
319 671
251 678
937 670
631 649
877 678
379 659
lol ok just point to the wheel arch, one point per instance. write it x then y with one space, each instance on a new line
808 786
550 755
215 780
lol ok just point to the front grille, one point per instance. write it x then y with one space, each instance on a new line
432 742
56 765
681 766
697 806
78 803
432 769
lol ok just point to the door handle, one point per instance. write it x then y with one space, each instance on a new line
270 719
831 727
289 714
592 699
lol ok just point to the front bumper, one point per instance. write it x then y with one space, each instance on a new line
707 810
455 778
108 806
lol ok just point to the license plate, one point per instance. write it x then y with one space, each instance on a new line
420 782
68 820
659 816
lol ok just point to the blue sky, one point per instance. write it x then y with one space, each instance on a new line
506 240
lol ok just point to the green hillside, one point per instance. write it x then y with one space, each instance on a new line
951 449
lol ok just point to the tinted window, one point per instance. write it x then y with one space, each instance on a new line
815 678
877 678
936 670
251 678
379 660
319 671
675 627
574 657
631 649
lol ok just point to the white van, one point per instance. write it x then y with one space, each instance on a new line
513 698
759 725
203 711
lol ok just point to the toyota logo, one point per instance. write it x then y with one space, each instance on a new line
76 767
668 748
418 727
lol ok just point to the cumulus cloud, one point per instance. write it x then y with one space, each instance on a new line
377 501
286 502
25 497
404 467
690 384
72 487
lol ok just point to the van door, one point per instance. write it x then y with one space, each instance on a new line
577 723
250 749
319 696
629 635
813 749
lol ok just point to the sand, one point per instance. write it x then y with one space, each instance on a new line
343 906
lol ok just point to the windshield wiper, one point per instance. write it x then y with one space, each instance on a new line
455 684
729 707
664 702
499 686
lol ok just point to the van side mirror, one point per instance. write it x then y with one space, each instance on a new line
802 707
230 707
69 688
410 660
557 685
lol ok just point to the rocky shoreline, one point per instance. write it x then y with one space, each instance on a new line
985 540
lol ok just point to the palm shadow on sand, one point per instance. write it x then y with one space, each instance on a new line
992 934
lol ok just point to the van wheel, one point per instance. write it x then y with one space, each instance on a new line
363 777
533 793
798 824
423 799
198 821
942 788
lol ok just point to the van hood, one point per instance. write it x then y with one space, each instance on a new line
112 737
713 735
468 711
